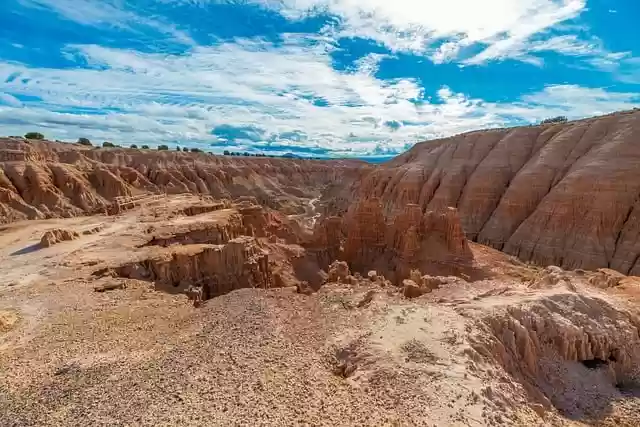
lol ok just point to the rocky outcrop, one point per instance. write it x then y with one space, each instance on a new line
365 239
540 340
212 231
218 269
202 208
57 235
564 194
42 179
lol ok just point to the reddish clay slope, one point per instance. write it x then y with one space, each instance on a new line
47 179
565 194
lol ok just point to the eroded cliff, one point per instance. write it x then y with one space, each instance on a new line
41 179
565 194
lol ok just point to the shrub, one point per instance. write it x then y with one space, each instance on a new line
145 147
185 149
196 150
84 141
34 135
552 120
162 147
108 144
178 148
134 146
226 152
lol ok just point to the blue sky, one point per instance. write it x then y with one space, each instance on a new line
313 77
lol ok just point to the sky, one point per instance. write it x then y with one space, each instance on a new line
324 78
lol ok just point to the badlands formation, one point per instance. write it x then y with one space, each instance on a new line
481 280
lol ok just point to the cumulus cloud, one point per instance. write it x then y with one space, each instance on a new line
262 95
503 27
286 95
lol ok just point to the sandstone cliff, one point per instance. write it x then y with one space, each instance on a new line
565 194
40 179
430 242
239 263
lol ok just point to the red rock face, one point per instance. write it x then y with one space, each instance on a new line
239 263
56 236
401 243
45 179
565 194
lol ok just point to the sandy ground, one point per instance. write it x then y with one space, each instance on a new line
358 354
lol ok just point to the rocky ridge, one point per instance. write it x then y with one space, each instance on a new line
562 194
42 179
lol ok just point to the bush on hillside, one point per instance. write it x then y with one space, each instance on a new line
145 147
134 146
162 147
553 120
34 135
84 141
108 144
196 150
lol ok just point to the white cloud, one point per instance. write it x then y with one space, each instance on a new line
503 26
108 14
7 99
291 89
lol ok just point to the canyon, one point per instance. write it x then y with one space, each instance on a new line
484 279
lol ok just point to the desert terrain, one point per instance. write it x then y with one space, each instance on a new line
482 280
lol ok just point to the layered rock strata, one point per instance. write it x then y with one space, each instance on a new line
365 239
40 179
564 194
240 263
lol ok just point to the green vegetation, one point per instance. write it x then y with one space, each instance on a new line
34 135
108 144
163 147
196 150
84 141
134 146
145 147
554 120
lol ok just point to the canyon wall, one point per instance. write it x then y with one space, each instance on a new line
42 179
564 194
432 242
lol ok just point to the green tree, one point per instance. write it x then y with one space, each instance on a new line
84 141
178 148
162 147
196 150
34 135
108 144
553 120
185 149
145 147
226 152
134 146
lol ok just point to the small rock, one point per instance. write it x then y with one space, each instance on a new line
411 289
367 299
110 286
304 288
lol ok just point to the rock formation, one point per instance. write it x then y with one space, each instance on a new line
240 263
562 194
205 231
430 242
538 339
42 179
57 235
